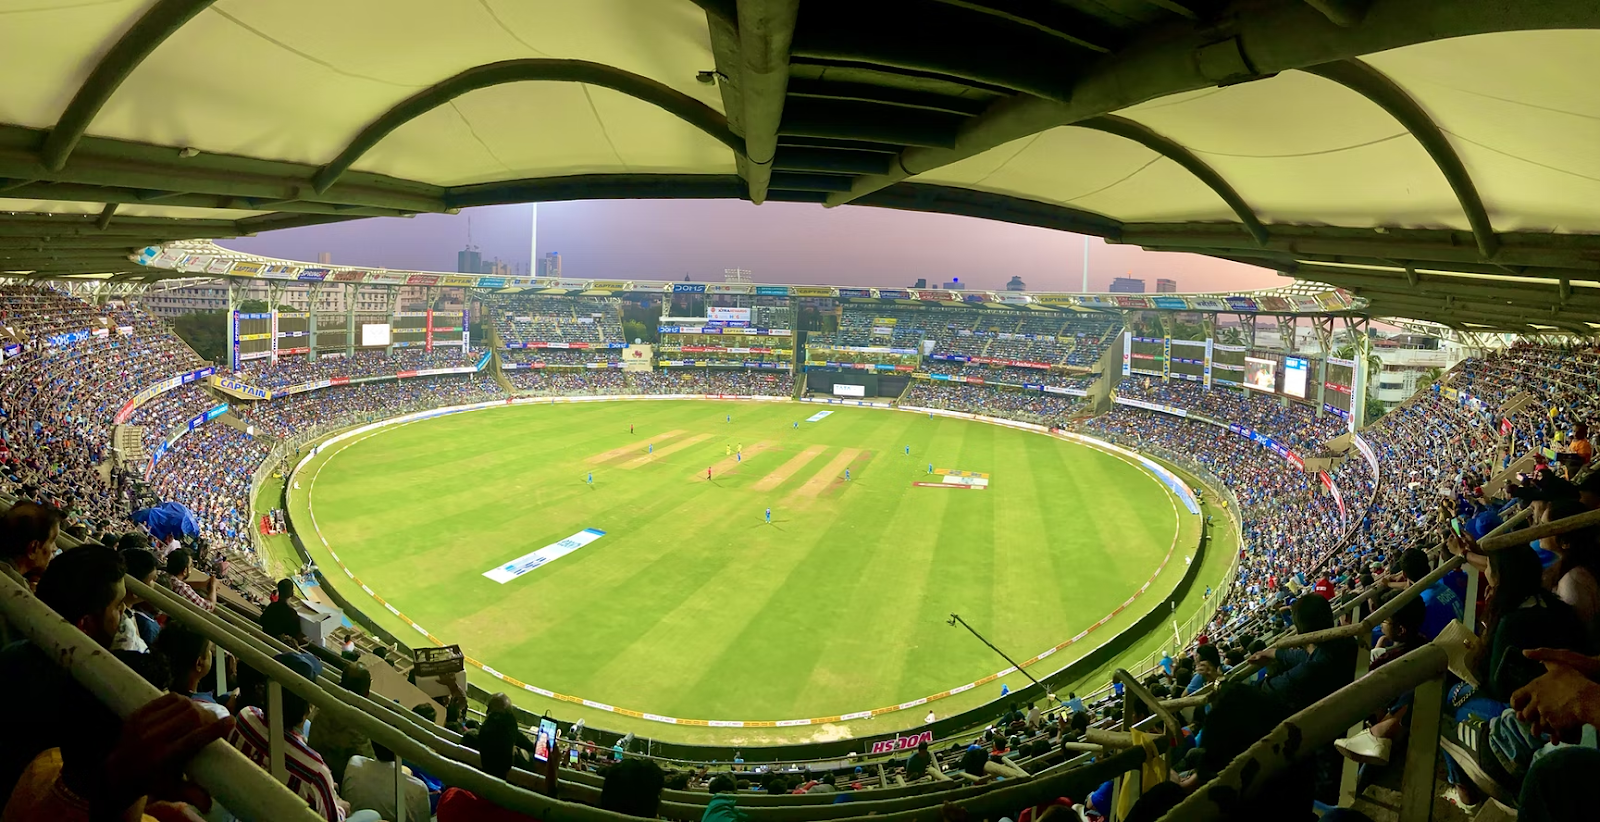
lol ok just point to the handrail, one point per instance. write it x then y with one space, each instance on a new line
1497 540
1309 730
227 773
390 736
1377 617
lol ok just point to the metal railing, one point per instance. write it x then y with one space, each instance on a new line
227 773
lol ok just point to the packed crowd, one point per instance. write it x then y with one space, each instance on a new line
208 472
1011 403
1293 424
159 415
287 372
567 382
559 356
1010 376
297 415
712 381
1055 339
530 318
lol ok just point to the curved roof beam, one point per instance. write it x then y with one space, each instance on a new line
1143 135
1278 36
670 100
160 22
766 28
1375 86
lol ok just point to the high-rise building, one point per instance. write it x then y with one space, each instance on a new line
324 258
549 265
1016 284
1166 286
954 284
469 260
1127 285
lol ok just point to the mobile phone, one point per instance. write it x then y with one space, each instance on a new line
572 757
545 740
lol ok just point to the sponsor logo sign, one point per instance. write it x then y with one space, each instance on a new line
609 285
455 280
811 291
348 276
279 272
688 288
548 554
246 268
772 290
315 274
229 385
893 294
422 279
902 743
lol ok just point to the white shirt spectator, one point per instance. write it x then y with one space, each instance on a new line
369 784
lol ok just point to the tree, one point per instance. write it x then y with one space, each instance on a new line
637 330
206 332
1375 410
1428 378
1230 336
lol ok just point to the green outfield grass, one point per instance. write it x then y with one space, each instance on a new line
691 605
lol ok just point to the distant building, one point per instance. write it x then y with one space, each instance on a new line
922 282
549 265
954 284
1127 285
213 296
469 261
1166 286
1016 284
324 258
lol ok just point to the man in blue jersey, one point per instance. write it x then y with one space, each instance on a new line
1445 600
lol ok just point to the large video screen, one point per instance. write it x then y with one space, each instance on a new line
1294 376
1259 374
374 334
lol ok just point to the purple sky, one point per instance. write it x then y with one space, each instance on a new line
779 242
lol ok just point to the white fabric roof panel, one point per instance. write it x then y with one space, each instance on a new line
128 209
544 129
1523 111
49 48
297 79
1300 149
1087 169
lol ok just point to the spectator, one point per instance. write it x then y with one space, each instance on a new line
307 774
189 657
633 787
499 738
175 579
1207 668
139 624
28 533
45 705
368 784
723 806
279 618
1306 675
335 740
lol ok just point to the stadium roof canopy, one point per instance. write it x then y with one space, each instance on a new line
1439 157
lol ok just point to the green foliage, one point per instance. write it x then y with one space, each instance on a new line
1230 336
640 322
1375 410
206 332
636 330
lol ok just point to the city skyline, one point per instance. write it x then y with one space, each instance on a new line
778 242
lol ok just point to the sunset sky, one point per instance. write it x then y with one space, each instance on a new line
778 242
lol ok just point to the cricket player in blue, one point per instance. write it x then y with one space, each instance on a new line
730 418
769 516
908 450
652 449
846 475
930 468
797 425
591 478
739 457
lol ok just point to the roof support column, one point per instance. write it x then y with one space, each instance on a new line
766 28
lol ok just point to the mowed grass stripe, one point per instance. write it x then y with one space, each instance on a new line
783 472
834 469
626 450
652 455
